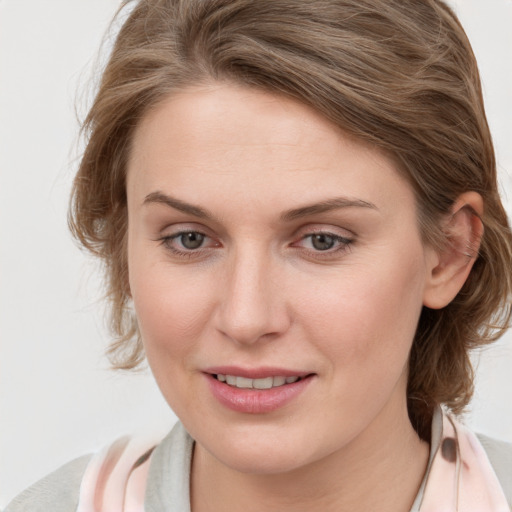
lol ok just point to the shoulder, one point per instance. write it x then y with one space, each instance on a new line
499 454
57 492
168 480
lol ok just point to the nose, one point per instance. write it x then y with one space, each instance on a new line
252 304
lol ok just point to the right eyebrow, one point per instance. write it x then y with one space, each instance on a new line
177 204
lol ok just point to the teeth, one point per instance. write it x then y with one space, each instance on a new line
242 382
279 381
264 383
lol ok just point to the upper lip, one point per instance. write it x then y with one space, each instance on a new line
255 373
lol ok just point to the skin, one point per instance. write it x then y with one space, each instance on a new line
259 293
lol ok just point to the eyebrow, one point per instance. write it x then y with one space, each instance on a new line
177 204
326 206
297 213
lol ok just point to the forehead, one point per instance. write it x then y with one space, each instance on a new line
239 141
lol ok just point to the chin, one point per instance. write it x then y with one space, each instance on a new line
259 462
264 451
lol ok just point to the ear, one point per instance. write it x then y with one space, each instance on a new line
449 267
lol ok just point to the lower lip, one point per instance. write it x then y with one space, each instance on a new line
256 401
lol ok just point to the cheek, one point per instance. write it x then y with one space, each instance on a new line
170 311
366 317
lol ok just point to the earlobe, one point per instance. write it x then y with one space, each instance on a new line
450 266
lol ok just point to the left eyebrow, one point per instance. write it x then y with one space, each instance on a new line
326 206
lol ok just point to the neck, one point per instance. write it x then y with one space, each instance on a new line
381 469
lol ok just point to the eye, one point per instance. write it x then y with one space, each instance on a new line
324 242
188 243
191 240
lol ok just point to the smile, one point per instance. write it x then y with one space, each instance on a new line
257 391
263 383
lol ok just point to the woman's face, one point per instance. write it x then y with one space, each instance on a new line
266 246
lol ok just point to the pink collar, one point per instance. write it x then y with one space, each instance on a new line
460 477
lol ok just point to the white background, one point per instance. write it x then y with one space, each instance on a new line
58 399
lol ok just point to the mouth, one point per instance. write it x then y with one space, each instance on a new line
261 383
257 391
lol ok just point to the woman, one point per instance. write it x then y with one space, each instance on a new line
296 205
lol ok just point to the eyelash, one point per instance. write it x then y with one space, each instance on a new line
343 244
167 241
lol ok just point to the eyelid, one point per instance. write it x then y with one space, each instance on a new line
343 241
178 234
169 238
339 238
170 235
177 228
326 230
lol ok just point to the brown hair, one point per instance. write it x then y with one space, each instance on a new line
399 74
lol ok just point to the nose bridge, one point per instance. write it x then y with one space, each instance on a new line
250 306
